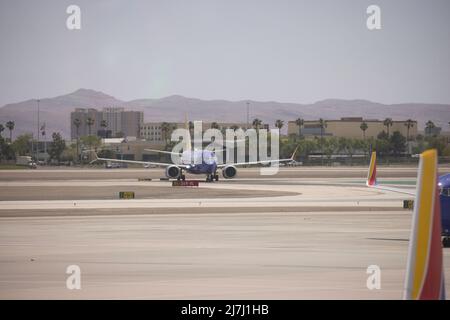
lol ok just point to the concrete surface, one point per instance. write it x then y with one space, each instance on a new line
283 237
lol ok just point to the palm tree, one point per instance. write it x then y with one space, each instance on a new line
409 124
77 124
364 127
2 128
429 126
165 129
256 123
300 122
279 124
322 125
90 122
388 123
10 125
104 125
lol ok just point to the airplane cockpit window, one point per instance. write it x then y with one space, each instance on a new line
209 157
445 192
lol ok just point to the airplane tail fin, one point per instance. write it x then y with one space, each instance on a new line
372 174
424 272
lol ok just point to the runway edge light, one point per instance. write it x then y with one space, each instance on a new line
424 271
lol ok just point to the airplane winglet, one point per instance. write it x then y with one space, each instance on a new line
293 154
424 272
372 174
95 155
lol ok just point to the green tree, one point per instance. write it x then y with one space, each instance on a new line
382 145
349 146
408 124
165 129
104 125
279 124
91 142
6 150
90 122
438 143
429 126
364 127
331 146
215 125
2 128
106 153
10 125
77 124
306 147
322 125
383 136
397 143
300 123
388 124
56 147
256 123
22 145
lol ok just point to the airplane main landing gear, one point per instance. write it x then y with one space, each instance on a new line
212 177
446 242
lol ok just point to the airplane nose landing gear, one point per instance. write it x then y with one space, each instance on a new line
446 242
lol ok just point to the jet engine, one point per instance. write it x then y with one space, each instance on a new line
229 172
173 172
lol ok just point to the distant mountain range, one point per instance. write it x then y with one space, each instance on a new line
55 112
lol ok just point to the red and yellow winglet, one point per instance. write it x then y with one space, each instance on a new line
372 175
424 271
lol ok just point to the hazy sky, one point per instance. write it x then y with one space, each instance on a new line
289 51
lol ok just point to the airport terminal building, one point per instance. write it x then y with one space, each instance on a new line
155 132
117 120
350 127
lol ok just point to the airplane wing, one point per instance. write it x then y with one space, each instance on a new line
372 178
158 164
162 151
260 161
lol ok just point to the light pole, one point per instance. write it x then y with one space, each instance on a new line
37 142
248 114
45 140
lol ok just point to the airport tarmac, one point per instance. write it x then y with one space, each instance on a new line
304 233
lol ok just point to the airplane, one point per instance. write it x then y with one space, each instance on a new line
425 279
201 162
443 184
